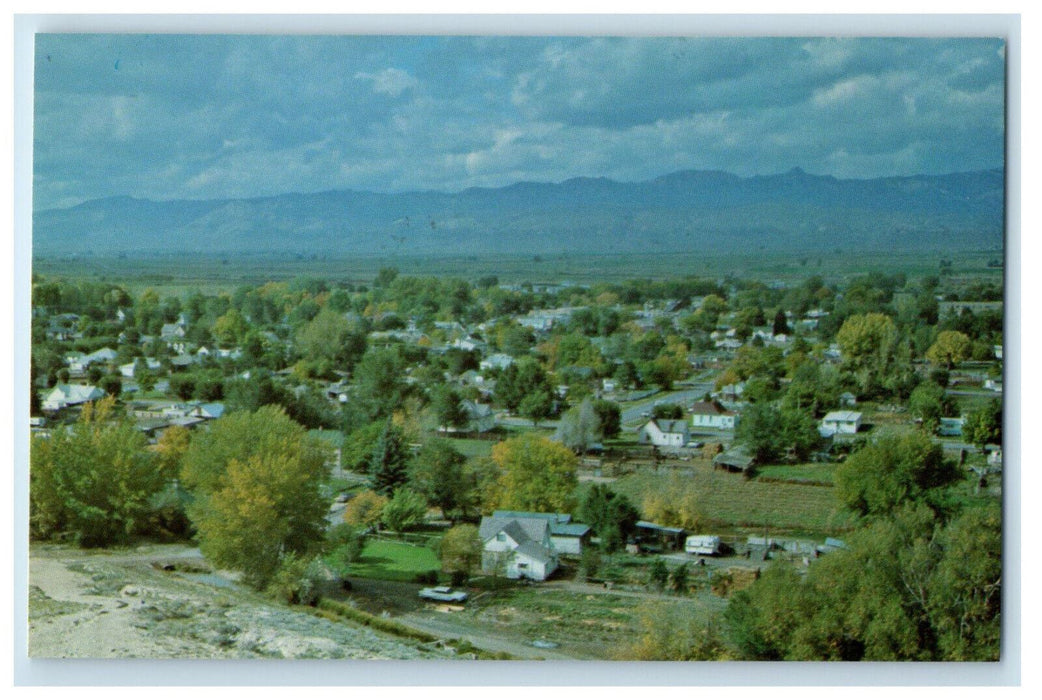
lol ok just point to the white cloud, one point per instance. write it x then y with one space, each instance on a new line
389 81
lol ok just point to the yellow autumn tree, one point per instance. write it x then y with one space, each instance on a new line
537 474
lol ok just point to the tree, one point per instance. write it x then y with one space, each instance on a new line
170 451
658 574
892 471
867 343
674 632
447 405
984 426
230 328
378 376
579 427
610 416
94 480
389 462
537 405
460 549
537 474
611 515
678 578
438 472
669 411
331 338
406 509
781 323
929 403
761 431
907 587
256 478
950 348
365 509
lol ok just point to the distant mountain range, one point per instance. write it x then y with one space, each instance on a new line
684 211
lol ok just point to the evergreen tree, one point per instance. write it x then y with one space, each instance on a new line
389 462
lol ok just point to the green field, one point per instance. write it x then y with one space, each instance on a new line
730 502
179 275
825 473
394 561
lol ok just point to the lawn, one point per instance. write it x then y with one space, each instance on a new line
394 561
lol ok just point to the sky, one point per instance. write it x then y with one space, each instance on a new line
224 116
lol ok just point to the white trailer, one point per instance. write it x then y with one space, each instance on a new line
702 544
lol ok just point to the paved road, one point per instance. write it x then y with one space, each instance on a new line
684 397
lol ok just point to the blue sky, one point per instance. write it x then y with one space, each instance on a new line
213 116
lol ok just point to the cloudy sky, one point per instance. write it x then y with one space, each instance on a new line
168 116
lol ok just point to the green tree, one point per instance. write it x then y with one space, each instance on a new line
610 416
867 342
928 402
329 337
950 348
658 574
230 328
537 405
256 481
537 474
389 461
380 387
439 473
984 426
611 515
460 549
760 430
678 578
405 510
447 405
94 480
894 470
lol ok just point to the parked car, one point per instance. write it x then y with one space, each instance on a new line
443 594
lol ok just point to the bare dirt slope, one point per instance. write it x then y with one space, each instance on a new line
131 604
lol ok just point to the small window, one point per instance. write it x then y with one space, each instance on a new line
501 537
522 565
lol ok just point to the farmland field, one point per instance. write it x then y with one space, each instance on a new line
731 501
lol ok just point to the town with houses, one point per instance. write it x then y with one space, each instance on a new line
661 440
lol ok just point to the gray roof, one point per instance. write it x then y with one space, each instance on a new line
535 551
670 426
560 523
518 529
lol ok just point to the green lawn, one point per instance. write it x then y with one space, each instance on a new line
394 561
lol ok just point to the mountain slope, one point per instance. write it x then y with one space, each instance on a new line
682 211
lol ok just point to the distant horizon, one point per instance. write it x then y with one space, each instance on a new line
792 170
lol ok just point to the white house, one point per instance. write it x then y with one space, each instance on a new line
950 427
80 363
130 368
664 433
517 547
64 395
710 414
567 537
498 360
843 422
